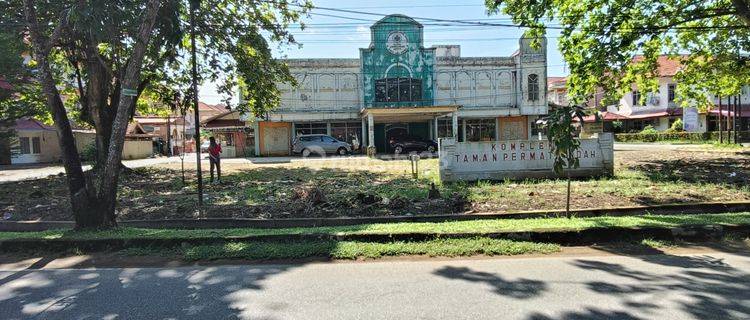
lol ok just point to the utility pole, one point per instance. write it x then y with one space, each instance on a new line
194 5
737 100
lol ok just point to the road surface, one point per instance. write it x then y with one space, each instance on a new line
709 285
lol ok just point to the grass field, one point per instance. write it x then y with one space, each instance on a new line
473 226
344 187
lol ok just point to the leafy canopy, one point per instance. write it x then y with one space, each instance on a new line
600 38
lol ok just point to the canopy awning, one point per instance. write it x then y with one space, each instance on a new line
407 114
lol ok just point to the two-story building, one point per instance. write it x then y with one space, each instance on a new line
397 87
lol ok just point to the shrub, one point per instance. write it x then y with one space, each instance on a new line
89 152
649 129
677 126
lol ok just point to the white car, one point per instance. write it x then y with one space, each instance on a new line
204 146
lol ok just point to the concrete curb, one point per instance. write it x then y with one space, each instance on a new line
566 237
225 223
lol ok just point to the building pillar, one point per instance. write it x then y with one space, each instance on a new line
455 126
256 133
437 128
363 141
370 131
370 135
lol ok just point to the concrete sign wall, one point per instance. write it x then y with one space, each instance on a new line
520 159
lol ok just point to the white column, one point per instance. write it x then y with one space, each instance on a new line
437 131
256 132
370 130
455 125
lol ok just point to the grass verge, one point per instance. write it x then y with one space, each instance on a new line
473 226
350 250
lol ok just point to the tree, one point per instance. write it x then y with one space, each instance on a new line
562 137
600 38
19 95
112 51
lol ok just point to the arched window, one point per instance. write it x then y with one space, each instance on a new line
398 90
533 81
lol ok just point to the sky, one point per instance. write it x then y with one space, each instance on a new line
331 34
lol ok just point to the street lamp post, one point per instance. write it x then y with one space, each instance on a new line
194 5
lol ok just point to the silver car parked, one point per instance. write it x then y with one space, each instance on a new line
321 144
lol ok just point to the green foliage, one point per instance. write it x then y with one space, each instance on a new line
562 136
19 95
649 129
89 152
600 38
673 136
677 126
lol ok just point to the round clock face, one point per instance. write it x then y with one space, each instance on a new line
397 42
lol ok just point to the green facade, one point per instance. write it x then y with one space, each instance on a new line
413 61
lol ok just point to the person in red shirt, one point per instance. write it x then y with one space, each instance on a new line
214 157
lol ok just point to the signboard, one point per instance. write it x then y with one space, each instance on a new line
520 159
690 121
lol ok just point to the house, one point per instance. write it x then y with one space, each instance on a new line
398 87
557 91
660 109
168 131
236 138
34 142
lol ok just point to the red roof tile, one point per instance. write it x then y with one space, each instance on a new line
667 66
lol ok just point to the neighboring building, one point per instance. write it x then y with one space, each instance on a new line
557 90
660 109
36 142
398 86
166 131
235 137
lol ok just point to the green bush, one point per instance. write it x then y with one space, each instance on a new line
649 129
675 136
677 126
89 152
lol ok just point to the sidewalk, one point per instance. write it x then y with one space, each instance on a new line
12 173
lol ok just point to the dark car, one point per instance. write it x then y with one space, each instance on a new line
403 144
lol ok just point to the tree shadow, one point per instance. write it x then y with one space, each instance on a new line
142 293
518 289
588 314
715 289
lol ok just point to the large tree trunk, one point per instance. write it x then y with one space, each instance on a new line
92 207
109 174
80 198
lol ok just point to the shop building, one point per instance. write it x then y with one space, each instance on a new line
398 87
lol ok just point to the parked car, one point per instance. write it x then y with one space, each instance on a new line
403 144
319 143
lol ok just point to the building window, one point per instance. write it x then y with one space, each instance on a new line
398 90
480 129
30 145
537 127
310 128
671 92
636 97
533 87
445 128
348 131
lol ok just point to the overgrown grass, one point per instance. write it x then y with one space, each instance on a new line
472 226
353 250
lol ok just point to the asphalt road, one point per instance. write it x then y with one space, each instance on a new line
705 286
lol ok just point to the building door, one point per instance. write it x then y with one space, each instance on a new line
276 139
513 128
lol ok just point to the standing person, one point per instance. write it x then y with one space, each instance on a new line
214 157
